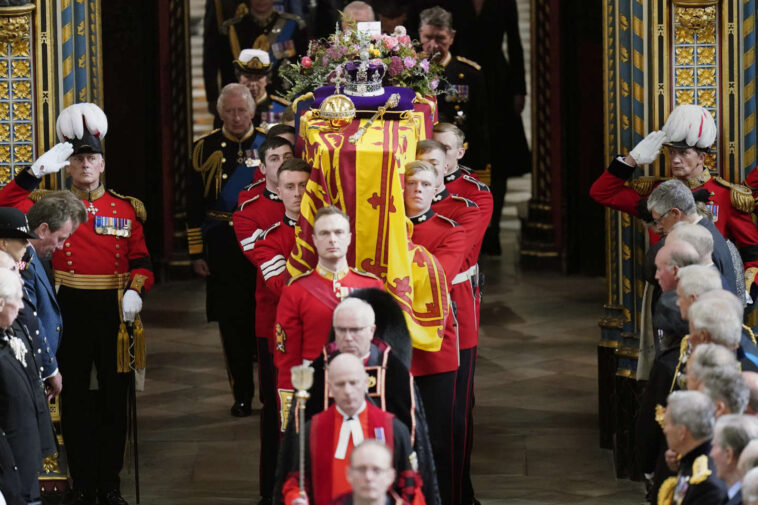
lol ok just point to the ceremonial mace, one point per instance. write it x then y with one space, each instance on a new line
302 380
133 406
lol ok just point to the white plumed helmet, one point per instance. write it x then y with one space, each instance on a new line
690 126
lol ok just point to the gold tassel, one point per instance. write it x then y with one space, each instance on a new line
139 344
122 349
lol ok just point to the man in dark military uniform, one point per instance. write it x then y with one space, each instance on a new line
465 103
252 69
103 271
252 24
224 162
688 426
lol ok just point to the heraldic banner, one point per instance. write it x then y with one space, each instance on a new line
364 180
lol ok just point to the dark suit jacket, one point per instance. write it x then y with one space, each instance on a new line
24 415
735 500
41 295
721 256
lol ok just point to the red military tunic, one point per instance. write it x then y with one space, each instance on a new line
467 214
256 215
253 189
447 242
465 184
272 248
106 251
304 319
730 205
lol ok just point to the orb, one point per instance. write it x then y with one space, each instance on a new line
339 110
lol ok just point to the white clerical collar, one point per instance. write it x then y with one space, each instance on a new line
357 412
351 428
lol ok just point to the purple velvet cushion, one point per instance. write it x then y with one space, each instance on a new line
370 104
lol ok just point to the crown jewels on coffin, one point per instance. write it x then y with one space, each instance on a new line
364 78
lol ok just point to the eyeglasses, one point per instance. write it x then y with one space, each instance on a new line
657 222
342 331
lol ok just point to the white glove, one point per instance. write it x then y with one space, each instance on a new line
131 305
72 120
648 149
53 160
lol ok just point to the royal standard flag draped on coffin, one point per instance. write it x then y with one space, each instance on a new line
364 180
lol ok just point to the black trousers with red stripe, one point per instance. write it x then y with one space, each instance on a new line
438 394
269 419
464 407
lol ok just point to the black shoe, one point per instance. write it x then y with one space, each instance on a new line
111 497
75 497
241 409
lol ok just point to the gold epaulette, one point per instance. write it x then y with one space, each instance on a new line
469 62
700 470
299 276
740 196
364 273
261 130
37 194
644 185
205 135
660 413
137 205
666 491
280 100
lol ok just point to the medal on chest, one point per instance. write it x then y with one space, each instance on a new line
682 486
116 226
713 207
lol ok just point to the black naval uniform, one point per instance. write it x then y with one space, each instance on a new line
465 106
696 483
282 35
269 109
222 166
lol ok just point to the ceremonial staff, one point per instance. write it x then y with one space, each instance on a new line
132 407
302 380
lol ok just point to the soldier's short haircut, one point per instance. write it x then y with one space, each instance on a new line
235 88
718 320
672 194
436 16
451 128
330 211
272 143
693 410
280 129
420 166
735 432
698 279
748 458
287 116
55 209
726 384
10 284
294 165
750 487
354 305
700 238
707 357
681 254
429 145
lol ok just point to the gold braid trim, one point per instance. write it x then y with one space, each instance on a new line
700 470
666 491
749 332
137 205
210 169
682 353
742 198
37 194
644 185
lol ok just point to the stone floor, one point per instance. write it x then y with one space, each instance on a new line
536 423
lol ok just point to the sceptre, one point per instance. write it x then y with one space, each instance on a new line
302 380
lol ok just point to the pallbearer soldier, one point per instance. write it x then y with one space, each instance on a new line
103 271
269 253
465 103
224 162
435 372
252 69
688 135
304 314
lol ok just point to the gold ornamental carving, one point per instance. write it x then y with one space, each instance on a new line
695 3
696 18
14 23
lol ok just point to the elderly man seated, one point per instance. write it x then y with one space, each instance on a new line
688 426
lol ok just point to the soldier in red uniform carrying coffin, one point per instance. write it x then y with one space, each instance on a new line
304 314
103 271
688 135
